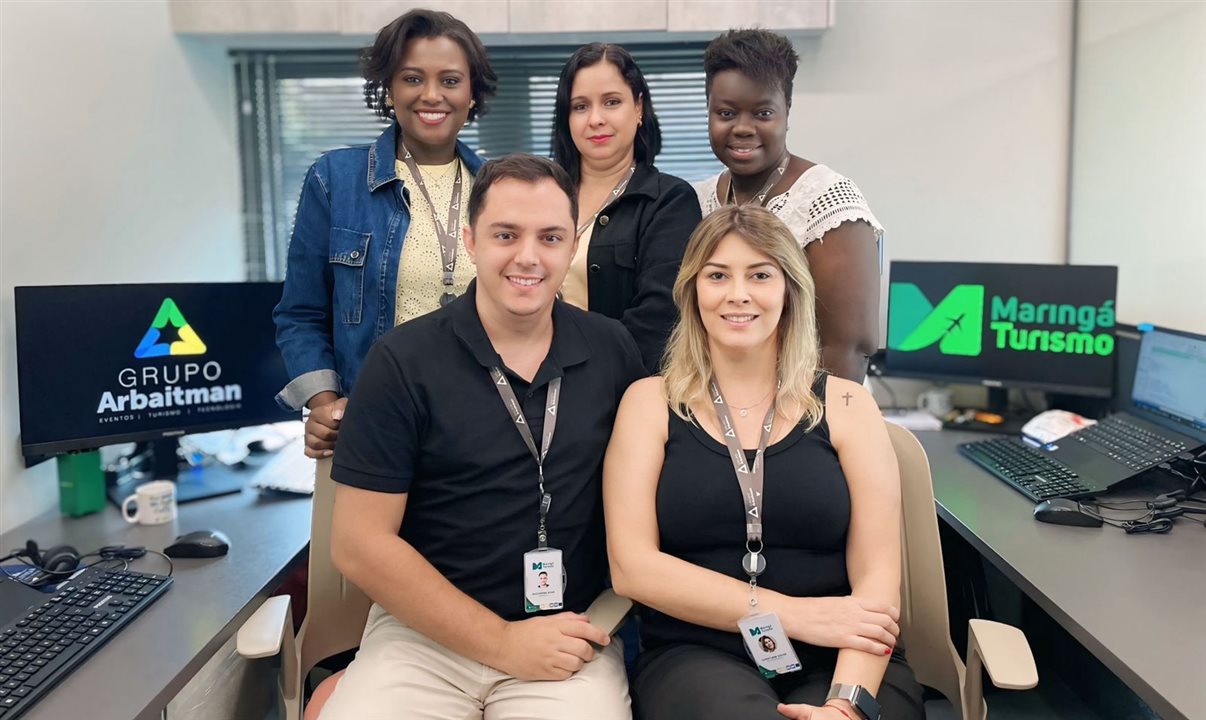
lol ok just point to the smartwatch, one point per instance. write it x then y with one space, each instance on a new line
864 702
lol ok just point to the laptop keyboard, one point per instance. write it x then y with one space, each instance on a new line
1127 443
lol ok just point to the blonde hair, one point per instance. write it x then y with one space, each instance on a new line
687 365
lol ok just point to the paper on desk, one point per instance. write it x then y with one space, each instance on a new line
913 419
1049 426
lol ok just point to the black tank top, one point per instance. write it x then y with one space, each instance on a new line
701 519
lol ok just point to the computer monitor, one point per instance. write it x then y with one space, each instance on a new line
105 364
1041 327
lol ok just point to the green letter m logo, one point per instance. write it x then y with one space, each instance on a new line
755 631
538 565
956 323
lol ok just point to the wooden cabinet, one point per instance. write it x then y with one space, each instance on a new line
366 17
332 19
552 16
284 17
718 15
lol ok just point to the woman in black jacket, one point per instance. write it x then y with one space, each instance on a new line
633 221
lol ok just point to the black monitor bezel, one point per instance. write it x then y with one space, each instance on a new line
34 453
1097 391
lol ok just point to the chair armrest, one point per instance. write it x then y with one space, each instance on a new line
1005 654
261 636
1002 650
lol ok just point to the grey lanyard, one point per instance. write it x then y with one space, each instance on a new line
546 438
616 192
731 195
447 232
750 478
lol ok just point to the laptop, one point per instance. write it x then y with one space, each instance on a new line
1163 417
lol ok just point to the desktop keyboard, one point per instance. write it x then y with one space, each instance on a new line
1029 471
289 470
40 649
1127 443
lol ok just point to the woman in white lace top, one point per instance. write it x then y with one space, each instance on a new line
749 78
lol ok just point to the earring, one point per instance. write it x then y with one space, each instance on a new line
389 102
472 104
640 122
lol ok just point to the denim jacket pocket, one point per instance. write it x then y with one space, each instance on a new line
349 248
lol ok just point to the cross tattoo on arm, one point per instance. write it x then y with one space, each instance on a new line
847 397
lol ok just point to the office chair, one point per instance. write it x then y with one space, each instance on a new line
999 649
335 615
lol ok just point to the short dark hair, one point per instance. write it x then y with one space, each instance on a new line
649 132
761 55
520 166
379 62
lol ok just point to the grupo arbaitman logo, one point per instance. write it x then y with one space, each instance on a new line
157 342
173 388
956 323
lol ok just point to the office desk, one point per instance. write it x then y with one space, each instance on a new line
1137 602
134 675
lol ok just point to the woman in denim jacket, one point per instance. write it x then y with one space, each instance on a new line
370 246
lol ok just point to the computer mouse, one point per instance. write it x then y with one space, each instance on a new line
1061 511
199 544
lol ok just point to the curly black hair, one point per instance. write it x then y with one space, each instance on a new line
648 141
379 61
761 55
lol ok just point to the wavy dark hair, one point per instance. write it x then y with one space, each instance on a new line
648 141
379 61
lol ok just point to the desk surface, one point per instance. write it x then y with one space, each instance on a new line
1137 602
134 675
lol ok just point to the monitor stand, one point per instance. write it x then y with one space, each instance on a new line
162 462
998 404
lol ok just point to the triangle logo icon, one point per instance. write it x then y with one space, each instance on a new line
155 342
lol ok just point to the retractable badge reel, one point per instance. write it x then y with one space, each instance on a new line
762 633
544 578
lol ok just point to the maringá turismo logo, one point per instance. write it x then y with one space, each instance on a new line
956 323
169 334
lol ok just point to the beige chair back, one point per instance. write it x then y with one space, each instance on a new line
336 610
924 622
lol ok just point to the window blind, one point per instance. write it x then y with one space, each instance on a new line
294 106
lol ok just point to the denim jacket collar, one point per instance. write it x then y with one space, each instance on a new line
384 152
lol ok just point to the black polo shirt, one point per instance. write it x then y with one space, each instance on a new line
425 419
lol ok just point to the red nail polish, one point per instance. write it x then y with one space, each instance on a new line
887 651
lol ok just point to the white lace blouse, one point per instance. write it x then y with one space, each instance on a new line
817 202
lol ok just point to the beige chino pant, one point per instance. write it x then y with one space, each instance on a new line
399 674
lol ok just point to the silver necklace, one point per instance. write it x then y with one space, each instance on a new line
745 411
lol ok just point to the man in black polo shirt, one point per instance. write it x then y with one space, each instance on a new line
469 462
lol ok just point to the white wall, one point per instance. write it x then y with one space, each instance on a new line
952 117
1139 156
120 164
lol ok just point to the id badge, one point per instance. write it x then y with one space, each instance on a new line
543 580
768 645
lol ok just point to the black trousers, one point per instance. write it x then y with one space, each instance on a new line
695 682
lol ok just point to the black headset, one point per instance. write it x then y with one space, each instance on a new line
60 559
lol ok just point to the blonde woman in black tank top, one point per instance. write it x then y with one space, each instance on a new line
829 512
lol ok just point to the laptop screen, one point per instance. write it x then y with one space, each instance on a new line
1170 377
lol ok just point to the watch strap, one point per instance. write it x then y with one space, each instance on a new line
859 697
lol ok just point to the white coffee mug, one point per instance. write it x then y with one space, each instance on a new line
937 401
156 503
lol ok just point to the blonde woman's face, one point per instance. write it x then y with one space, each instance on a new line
741 293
